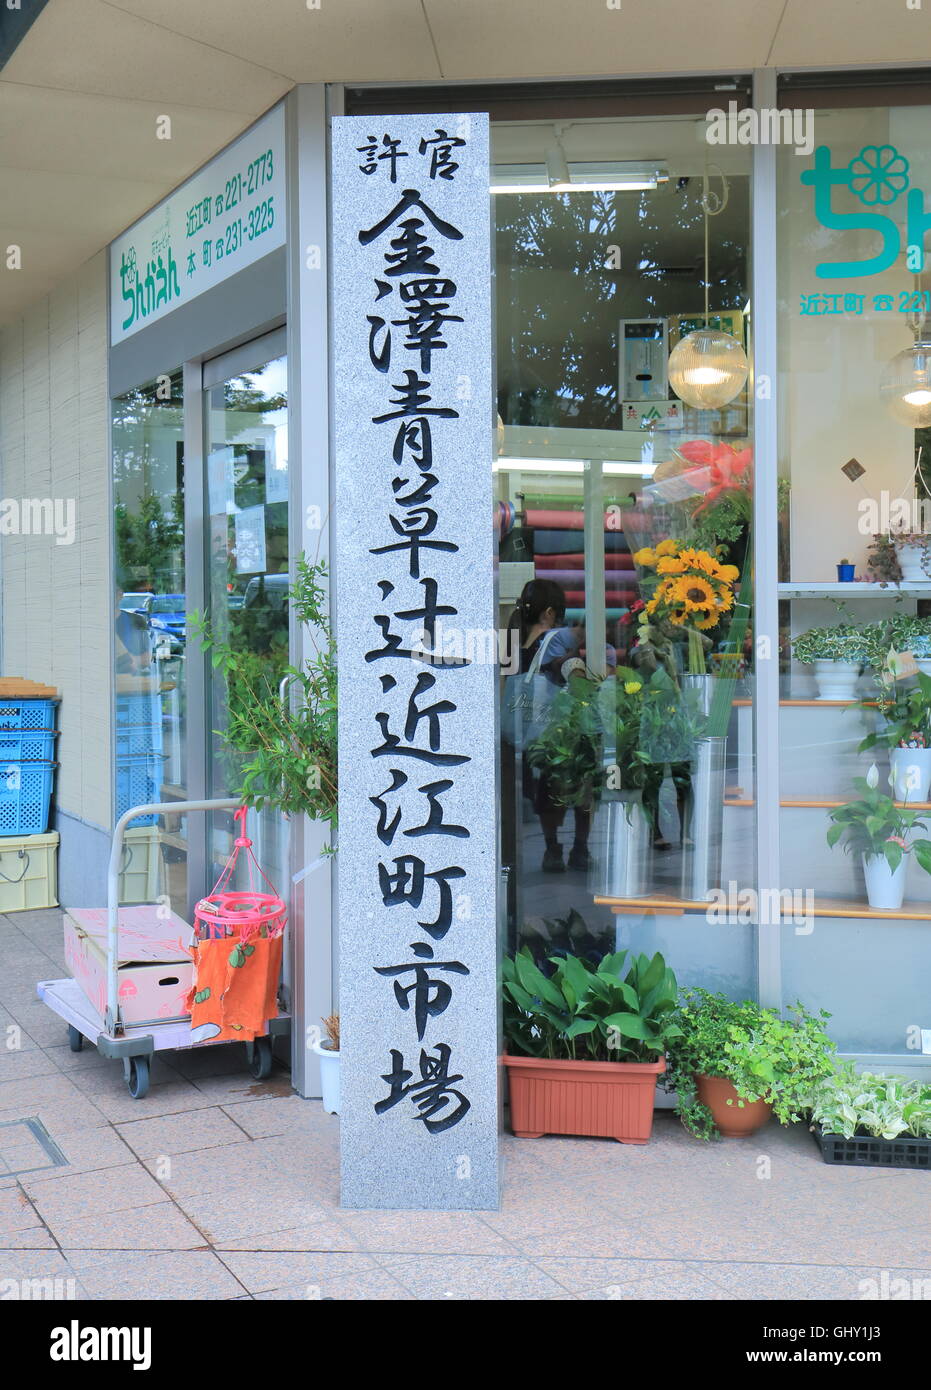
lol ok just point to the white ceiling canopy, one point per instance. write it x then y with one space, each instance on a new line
81 95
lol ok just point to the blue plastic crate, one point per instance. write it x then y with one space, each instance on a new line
19 747
28 714
139 709
25 797
138 781
137 740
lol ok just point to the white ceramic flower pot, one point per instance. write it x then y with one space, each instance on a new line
912 768
836 680
329 1077
884 889
910 563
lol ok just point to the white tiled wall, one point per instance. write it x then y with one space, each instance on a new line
56 605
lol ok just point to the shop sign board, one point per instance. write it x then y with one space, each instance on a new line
227 215
412 355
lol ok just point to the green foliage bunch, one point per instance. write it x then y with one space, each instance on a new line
764 1056
872 1105
613 1011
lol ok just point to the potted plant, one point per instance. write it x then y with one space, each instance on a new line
736 1063
913 550
906 732
327 1049
871 1120
882 561
845 571
876 829
586 1043
908 633
837 655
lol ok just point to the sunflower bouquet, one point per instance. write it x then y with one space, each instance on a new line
688 589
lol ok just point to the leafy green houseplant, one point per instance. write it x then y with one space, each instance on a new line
287 740
876 829
863 1104
837 654
757 1057
569 749
586 1042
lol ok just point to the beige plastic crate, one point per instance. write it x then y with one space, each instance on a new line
141 863
28 872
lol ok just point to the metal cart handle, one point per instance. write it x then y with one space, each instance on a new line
157 808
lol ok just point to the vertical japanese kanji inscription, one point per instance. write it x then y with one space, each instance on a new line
412 360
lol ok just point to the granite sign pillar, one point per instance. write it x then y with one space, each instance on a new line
417 653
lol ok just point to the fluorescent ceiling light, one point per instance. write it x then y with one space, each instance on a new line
601 176
540 465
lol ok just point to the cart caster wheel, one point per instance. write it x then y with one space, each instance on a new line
75 1039
138 1077
260 1062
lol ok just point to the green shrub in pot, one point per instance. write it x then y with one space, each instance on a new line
765 1056
619 1010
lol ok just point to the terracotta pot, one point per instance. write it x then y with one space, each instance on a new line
613 1100
734 1121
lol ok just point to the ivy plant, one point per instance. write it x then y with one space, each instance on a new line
764 1055
868 1104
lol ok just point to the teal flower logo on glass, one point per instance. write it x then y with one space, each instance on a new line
878 175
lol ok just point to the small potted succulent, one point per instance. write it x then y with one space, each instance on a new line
837 655
586 1043
845 571
327 1049
736 1063
878 830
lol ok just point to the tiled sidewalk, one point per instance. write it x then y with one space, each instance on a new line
216 1186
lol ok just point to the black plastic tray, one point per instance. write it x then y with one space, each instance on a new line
865 1152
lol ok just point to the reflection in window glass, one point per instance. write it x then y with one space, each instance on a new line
247 490
150 634
623 518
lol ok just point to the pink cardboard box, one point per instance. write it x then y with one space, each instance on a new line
155 969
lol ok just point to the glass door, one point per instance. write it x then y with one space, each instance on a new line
246 452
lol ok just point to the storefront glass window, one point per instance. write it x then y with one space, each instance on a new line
623 518
247 491
855 581
150 634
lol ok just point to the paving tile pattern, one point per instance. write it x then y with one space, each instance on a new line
220 1187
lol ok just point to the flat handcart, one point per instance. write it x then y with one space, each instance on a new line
134 1044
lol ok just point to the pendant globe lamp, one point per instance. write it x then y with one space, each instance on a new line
708 367
905 387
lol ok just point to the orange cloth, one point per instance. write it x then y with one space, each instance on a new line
235 987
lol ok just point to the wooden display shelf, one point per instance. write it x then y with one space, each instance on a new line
802 803
658 906
920 588
830 704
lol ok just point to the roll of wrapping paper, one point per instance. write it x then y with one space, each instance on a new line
614 579
572 518
544 563
577 615
567 542
624 598
564 502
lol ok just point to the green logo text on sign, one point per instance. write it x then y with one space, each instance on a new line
229 214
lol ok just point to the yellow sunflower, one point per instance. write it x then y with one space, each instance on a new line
699 560
694 592
730 574
645 556
667 547
710 620
670 565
